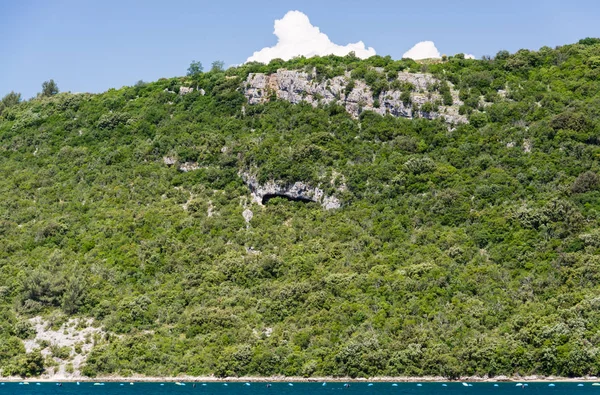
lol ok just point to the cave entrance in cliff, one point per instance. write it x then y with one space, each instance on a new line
268 197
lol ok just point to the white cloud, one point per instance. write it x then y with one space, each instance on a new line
296 36
422 50
469 56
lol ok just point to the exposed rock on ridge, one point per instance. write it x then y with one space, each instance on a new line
298 86
296 191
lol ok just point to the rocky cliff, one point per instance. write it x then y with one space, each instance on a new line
355 95
300 191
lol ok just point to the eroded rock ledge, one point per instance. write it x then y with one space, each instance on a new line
298 191
298 86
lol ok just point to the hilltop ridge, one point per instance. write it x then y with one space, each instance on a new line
317 217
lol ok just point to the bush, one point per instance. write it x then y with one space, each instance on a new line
60 352
478 119
588 181
112 120
570 120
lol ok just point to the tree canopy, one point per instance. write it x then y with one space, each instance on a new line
466 249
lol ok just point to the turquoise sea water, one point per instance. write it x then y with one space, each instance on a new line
300 389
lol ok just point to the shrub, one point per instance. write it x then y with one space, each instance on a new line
588 181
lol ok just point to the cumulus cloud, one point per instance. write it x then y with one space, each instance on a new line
296 36
422 50
427 50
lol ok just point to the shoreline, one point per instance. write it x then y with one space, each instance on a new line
285 379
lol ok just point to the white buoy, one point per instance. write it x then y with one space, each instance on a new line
290 384
580 385
550 385
324 384
465 384
247 384
370 385
419 385
444 385
495 385
394 385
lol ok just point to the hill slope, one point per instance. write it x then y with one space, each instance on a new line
198 229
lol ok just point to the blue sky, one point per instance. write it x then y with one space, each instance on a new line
91 46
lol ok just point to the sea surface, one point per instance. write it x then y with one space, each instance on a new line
330 388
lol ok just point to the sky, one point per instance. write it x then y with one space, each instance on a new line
91 46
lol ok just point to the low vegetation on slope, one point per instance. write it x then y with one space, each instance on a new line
471 249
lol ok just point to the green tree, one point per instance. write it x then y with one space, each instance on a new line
217 66
195 68
11 99
49 88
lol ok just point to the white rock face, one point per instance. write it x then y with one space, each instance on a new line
247 214
169 160
189 166
295 191
298 86
184 90
68 335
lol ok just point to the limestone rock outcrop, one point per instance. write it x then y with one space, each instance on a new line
298 86
299 191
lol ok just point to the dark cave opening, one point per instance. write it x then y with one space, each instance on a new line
267 197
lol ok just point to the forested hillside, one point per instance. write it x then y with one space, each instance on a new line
458 248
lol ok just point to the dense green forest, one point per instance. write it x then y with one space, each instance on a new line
468 249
